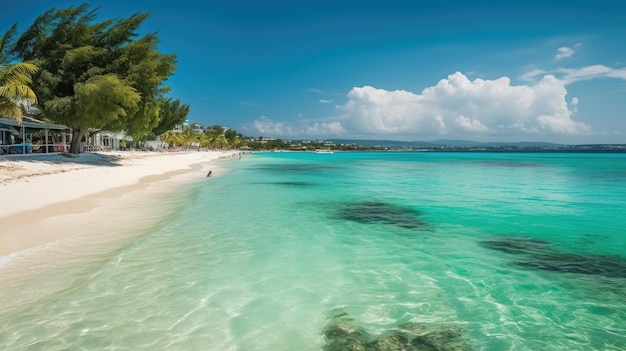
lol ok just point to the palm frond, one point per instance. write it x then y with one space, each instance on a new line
15 81
10 109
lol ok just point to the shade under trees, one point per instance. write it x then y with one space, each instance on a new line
98 74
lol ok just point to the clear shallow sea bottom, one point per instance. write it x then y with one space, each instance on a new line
509 251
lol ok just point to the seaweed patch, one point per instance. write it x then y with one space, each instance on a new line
539 255
515 244
381 212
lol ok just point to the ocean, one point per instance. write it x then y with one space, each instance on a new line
356 251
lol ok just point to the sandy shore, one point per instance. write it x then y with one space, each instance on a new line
47 198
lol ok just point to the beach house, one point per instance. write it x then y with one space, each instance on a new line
107 140
32 136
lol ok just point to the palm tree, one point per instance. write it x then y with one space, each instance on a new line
221 142
15 80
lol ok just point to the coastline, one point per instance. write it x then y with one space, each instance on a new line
52 198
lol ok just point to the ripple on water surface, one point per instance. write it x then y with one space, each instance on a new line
340 253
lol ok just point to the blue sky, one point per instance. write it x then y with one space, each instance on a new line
398 70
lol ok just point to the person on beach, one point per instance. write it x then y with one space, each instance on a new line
209 174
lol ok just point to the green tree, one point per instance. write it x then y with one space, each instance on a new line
189 137
95 74
214 135
168 137
15 80
235 140
172 112
85 107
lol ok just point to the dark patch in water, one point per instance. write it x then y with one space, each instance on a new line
606 266
381 212
515 244
343 333
539 255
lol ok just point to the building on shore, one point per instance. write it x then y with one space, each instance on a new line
32 136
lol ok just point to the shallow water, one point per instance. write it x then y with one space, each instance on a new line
516 251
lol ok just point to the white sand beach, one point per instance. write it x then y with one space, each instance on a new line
47 198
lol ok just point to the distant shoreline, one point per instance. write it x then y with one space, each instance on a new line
599 150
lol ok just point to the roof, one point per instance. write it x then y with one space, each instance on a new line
30 122
5 128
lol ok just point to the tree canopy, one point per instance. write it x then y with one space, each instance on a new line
98 75
214 137
172 113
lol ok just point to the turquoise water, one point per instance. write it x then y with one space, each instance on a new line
516 251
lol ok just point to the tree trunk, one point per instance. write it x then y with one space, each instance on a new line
77 136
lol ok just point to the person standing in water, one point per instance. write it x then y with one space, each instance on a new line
209 174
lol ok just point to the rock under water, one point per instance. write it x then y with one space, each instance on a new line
342 333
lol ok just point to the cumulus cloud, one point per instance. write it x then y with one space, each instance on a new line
325 129
471 124
266 126
457 106
574 105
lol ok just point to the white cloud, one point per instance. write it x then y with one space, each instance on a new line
471 124
322 101
267 127
459 107
456 107
324 129
589 72
315 90
532 75
617 73
571 75
574 104
564 52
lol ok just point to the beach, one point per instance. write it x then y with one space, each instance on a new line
49 198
